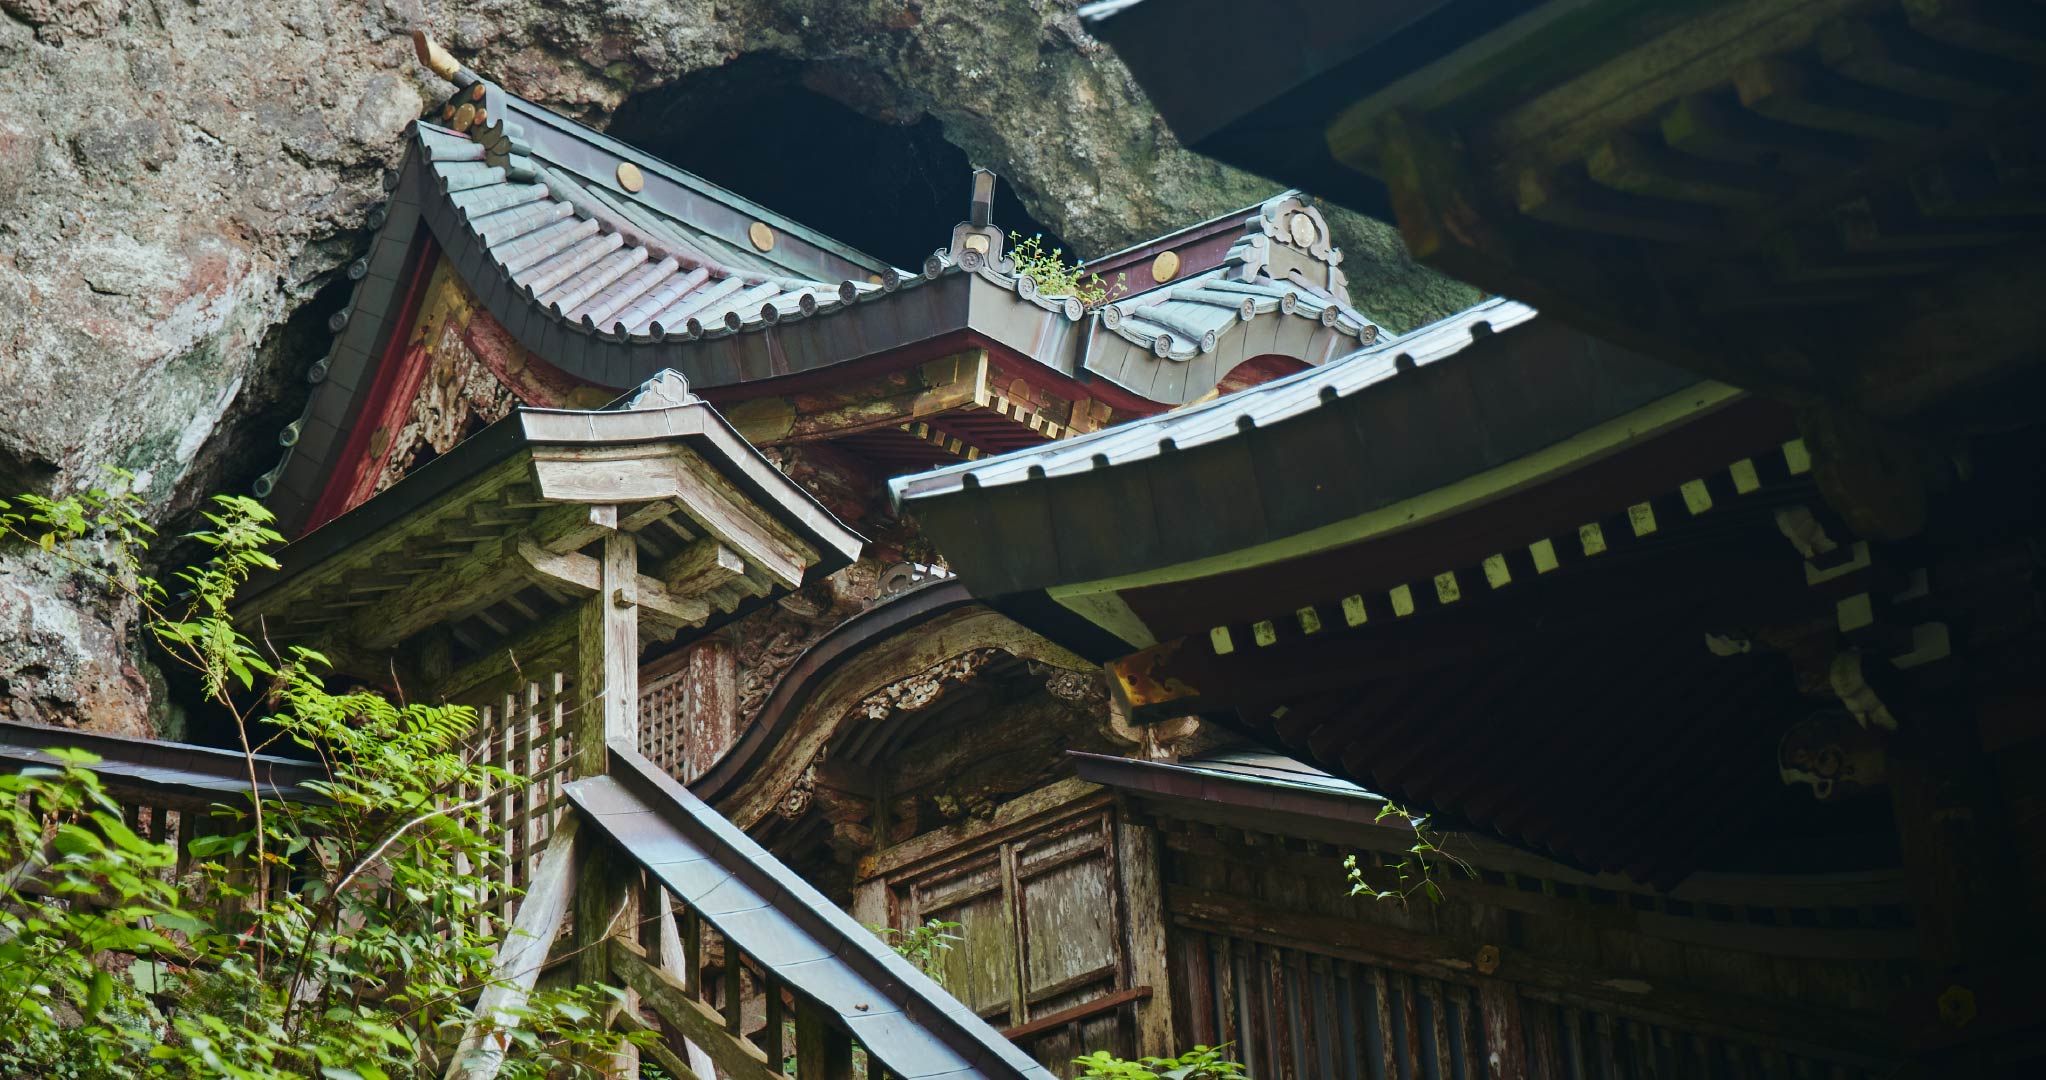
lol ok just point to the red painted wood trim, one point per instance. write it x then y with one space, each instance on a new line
391 389
1102 1004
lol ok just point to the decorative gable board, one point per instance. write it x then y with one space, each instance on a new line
448 371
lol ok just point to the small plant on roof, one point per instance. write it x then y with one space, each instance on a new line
1056 277
1416 870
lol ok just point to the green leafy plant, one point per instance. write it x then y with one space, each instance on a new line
1417 868
342 937
1056 277
1199 1063
925 946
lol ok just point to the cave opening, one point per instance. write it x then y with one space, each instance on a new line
892 190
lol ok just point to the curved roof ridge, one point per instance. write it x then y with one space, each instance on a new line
1221 417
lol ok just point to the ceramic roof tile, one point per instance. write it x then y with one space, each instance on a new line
1222 417
606 263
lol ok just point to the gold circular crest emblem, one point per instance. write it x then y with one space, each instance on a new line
1165 267
761 235
630 178
1303 230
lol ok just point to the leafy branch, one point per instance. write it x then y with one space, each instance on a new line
925 946
1199 1063
1417 869
340 937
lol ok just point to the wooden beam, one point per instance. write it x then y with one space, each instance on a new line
940 386
702 566
674 959
1450 220
667 1059
522 954
1786 91
607 667
1095 1007
1943 795
566 527
1141 858
474 582
526 651
582 573
636 473
736 1058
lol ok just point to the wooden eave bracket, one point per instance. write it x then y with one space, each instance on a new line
676 480
583 574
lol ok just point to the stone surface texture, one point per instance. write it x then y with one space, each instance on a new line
181 182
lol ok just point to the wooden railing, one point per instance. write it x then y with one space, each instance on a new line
740 959
740 968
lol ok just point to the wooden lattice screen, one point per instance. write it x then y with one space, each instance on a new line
1291 1013
664 723
526 732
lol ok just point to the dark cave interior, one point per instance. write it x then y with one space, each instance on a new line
891 190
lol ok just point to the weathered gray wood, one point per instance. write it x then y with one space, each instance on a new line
822 1051
735 1057
1139 855
669 1061
674 959
704 565
523 953
583 574
634 473
572 527
607 660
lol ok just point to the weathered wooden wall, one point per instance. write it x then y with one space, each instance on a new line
1268 951
1055 939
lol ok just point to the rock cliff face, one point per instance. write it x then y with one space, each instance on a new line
179 182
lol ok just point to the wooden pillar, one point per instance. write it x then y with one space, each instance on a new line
1505 1042
711 678
1140 856
822 1051
870 903
607 655
607 676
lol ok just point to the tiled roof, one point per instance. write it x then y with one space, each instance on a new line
606 263
1224 417
1187 318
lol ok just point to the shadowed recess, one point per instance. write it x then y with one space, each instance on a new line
891 189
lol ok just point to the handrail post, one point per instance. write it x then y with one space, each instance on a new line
823 1052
